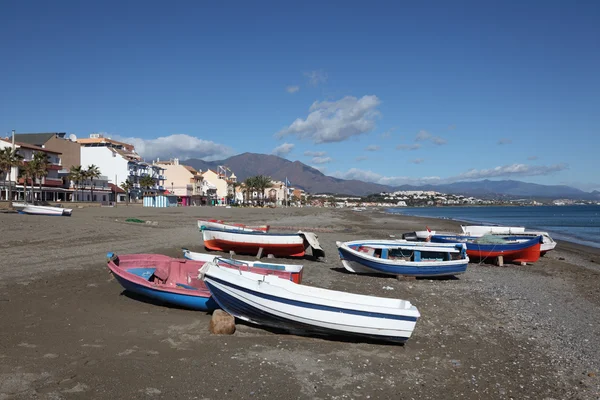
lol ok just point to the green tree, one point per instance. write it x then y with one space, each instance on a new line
41 161
92 172
261 183
126 186
9 158
249 186
77 175
147 182
28 171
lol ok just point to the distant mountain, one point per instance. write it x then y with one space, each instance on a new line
312 180
299 174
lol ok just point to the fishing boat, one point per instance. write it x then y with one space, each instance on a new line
512 248
219 224
294 270
548 243
174 281
272 302
278 244
33 209
168 280
395 257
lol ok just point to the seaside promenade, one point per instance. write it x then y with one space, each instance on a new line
70 332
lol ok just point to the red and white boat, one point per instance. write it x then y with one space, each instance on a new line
278 244
219 224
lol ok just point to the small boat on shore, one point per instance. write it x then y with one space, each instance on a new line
174 281
294 270
169 280
489 246
396 257
34 209
219 224
300 309
548 243
278 244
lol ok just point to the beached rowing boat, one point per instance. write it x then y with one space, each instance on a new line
395 257
218 224
517 231
489 246
267 301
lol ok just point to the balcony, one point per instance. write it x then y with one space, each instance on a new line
52 182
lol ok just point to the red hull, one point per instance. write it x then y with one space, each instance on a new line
530 254
282 250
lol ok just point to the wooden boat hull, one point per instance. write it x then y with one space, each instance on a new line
517 232
283 245
218 224
135 271
255 266
523 251
319 311
358 262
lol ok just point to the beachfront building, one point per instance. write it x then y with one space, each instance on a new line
218 187
66 145
119 162
51 184
183 181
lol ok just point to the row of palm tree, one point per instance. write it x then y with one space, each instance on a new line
79 175
258 183
9 158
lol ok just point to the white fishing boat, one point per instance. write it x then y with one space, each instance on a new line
35 209
218 224
273 302
396 257
278 244
514 231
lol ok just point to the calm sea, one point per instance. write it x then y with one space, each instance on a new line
579 224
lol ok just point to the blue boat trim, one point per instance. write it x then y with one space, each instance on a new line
474 246
145 273
245 311
304 304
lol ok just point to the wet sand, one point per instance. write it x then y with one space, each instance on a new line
69 330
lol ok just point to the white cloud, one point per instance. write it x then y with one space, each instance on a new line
531 158
292 89
336 121
387 134
423 136
321 160
415 146
316 77
497 172
283 149
504 141
438 140
309 153
361 158
179 146
417 161
511 170
372 147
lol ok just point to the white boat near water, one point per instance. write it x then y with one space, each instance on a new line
274 302
32 209
517 231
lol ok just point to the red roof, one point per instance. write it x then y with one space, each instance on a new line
114 188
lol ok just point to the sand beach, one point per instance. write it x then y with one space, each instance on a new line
69 331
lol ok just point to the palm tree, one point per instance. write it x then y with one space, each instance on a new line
41 161
76 174
28 171
92 172
262 182
126 186
9 158
147 182
250 185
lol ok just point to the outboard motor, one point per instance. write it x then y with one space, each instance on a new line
410 236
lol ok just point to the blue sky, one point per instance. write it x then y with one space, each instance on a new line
388 92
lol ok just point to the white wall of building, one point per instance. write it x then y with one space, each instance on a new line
109 163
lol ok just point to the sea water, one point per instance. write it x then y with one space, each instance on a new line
578 224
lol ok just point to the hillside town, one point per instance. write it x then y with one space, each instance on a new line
63 168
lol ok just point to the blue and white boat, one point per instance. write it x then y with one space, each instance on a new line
283 304
399 257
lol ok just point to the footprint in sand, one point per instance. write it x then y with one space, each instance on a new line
80 387
127 352
151 391
27 345
50 355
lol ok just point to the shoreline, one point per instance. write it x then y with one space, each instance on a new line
557 236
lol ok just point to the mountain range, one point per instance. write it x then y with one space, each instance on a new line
314 181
